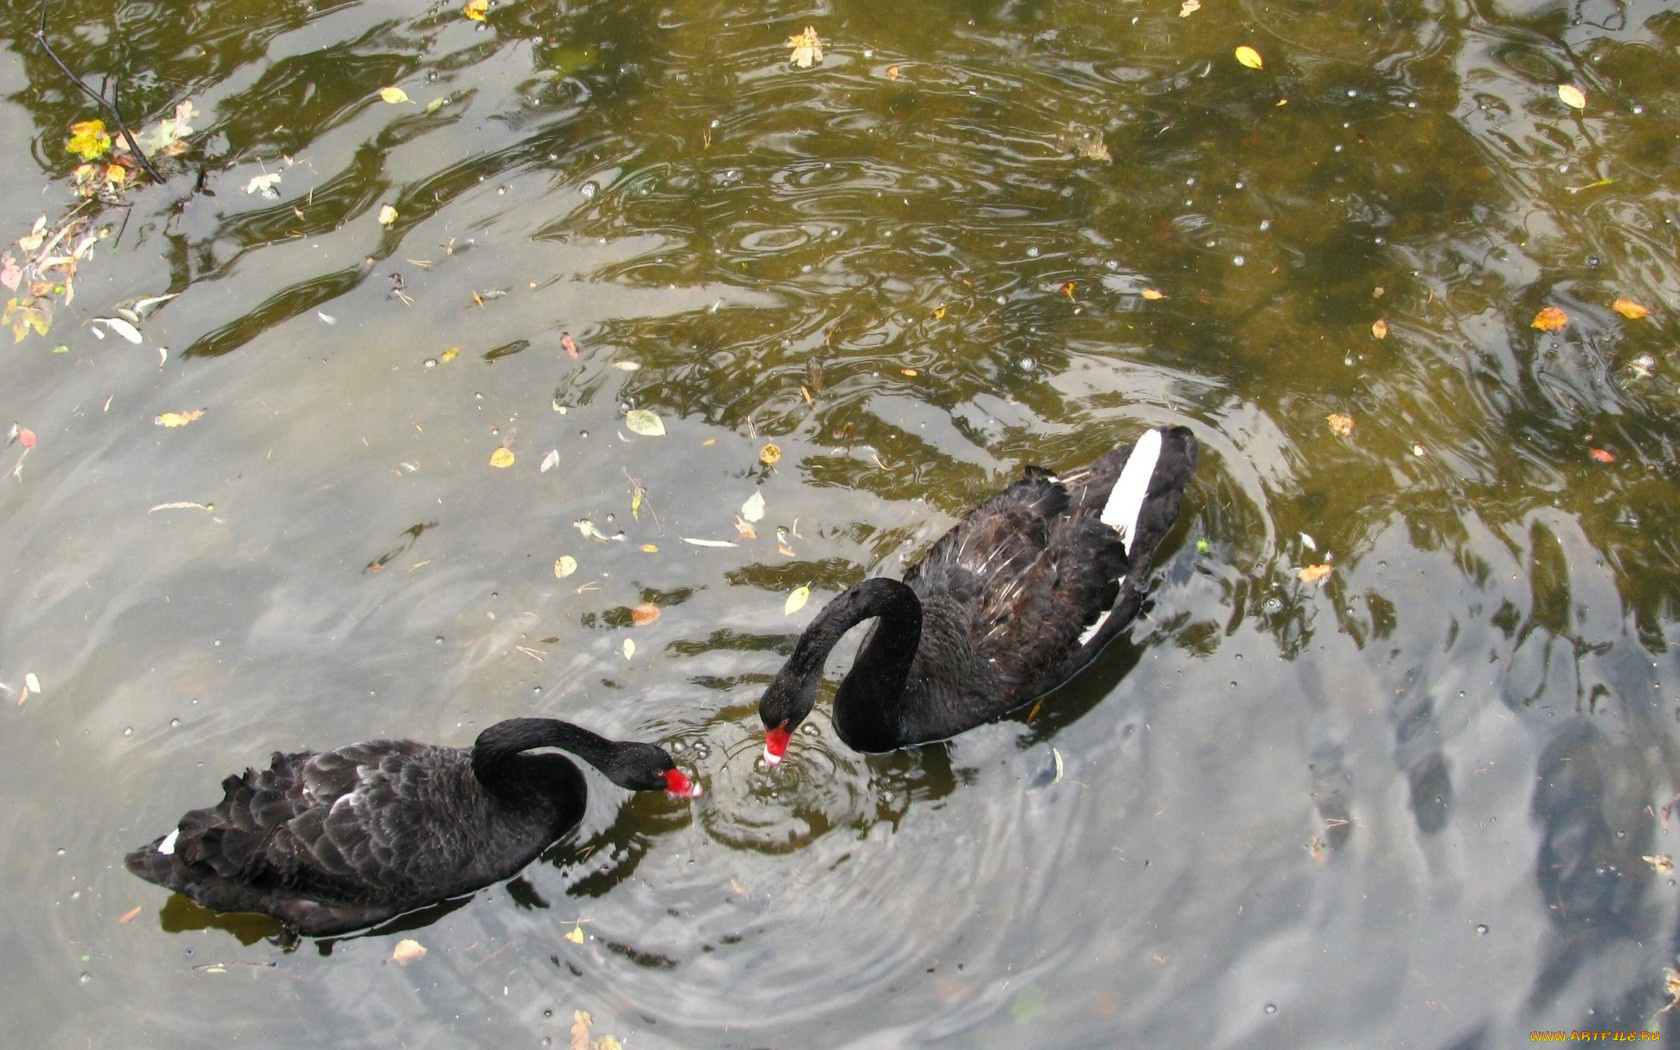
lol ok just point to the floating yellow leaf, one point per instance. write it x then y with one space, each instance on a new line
476 9
502 458
1572 96
892 72
449 355
644 614
796 601
407 951
1313 573
575 935
393 95
642 421
770 455
807 48
939 312
650 548
178 419
1662 862
89 139
1152 294
1549 319
1629 309
1189 7
1379 328
1341 424
911 372
564 566
1249 57
387 215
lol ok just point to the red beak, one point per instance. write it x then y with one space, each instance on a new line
776 744
679 786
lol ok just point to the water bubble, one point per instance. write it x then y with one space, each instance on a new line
431 362
85 978
1027 364
1265 224
128 730
173 722
438 640
1238 260
1271 1008
1032 253
1481 929
548 1013
61 851
589 190
1272 606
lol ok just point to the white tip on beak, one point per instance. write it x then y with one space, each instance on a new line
770 759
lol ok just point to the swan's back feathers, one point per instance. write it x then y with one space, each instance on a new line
343 839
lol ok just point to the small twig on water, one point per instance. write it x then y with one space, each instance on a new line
109 106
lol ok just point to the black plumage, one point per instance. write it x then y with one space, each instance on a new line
334 841
1014 600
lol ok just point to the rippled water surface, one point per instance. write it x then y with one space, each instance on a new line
1422 802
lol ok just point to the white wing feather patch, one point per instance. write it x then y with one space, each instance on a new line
1125 503
1091 632
167 846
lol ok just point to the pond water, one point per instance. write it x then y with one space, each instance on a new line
1422 801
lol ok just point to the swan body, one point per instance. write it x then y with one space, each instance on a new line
334 841
1018 597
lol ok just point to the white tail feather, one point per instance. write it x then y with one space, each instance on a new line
1090 632
1125 503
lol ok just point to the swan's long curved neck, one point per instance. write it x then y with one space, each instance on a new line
884 662
495 755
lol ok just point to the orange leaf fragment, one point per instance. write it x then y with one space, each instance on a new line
1313 573
1549 319
128 916
1153 294
644 614
567 344
1379 328
1630 309
1067 288
1341 424
1602 455
892 72
770 455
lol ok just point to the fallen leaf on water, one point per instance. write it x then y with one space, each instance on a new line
770 455
627 366
449 355
707 543
1152 294
796 601
1549 319
1341 424
644 422
608 1042
892 72
1313 573
753 508
564 566
89 140
580 1028
178 419
1602 455
549 461
476 9
128 916
587 527
31 683
387 215
393 95
407 951
575 934
939 312
644 614
628 648
1629 309
807 48
26 437
264 184
1068 288
744 529
1572 96
1671 986
121 327
1189 7
502 458
1662 862
1379 328
650 548
1249 57
567 345
911 372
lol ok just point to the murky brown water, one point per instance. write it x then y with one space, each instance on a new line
1409 805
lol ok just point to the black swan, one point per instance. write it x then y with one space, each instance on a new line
1016 599
332 842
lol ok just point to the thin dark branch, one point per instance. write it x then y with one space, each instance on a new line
110 107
